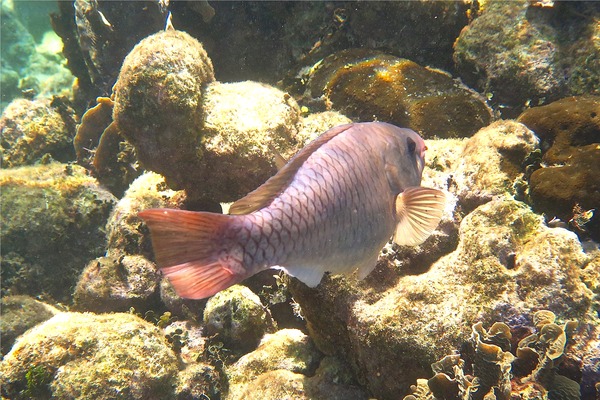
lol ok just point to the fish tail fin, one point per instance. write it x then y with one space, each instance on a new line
187 247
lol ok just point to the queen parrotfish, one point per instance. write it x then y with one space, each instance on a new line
331 208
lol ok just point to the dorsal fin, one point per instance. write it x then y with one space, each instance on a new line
265 193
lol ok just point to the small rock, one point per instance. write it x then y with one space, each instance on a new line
238 318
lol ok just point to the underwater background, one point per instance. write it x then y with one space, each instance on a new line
113 107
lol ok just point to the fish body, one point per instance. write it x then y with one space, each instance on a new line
330 209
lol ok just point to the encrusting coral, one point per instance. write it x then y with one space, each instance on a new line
367 85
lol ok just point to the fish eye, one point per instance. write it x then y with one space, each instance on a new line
411 145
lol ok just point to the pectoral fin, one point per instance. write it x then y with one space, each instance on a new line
418 211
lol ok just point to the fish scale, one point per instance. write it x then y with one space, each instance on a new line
330 209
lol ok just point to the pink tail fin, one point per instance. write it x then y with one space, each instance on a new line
186 246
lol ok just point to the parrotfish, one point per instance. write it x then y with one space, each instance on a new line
331 208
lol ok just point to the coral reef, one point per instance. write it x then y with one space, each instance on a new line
367 85
569 130
32 130
52 219
504 252
90 356
521 54
20 313
491 258
237 319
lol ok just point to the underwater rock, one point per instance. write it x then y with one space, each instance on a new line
243 121
492 162
286 349
117 282
367 85
507 263
237 318
99 34
125 231
31 130
20 313
75 355
569 130
158 102
198 381
315 124
522 54
331 381
125 277
52 225
100 147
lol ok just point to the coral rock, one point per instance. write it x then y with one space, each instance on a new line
52 219
20 313
30 130
238 318
287 349
491 162
90 356
158 102
368 85
244 121
117 282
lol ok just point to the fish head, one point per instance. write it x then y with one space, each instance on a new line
404 157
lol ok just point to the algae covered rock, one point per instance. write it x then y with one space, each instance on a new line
491 162
20 313
367 85
125 276
243 123
117 282
77 355
238 318
52 225
517 52
569 130
158 101
198 381
30 130
287 349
